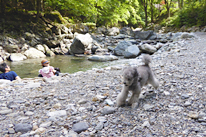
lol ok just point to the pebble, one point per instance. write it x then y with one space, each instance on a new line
23 127
57 113
108 110
79 127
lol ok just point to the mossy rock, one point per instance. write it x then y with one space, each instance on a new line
56 17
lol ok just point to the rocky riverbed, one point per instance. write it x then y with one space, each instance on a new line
83 104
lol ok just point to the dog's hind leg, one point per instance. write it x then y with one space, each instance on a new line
153 81
121 98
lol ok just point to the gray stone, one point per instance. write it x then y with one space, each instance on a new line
57 113
121 47
102 58
23 127
109 102
113 31
79 127
147 48
5 112
107 110
33 53
46 124
148 106
131 51
17 57
99 126
80 43
144 35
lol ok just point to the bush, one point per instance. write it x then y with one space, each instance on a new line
193 15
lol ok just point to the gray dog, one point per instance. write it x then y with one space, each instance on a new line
134 79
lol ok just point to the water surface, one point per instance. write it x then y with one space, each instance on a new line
68 64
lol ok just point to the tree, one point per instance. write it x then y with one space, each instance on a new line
168 5
144 3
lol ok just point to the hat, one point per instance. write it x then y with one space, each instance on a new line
44 61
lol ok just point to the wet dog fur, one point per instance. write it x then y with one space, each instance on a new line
134 79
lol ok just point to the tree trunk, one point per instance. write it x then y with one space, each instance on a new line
2 6
145 10
38 8
152 11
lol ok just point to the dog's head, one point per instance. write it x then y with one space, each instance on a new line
130 75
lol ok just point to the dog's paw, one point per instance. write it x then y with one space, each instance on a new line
135 105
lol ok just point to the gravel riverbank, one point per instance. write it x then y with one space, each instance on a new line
83 104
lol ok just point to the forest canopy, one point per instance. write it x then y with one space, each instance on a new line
135 13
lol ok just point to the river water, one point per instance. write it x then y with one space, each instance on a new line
68 64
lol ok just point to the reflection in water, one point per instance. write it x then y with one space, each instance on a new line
68 64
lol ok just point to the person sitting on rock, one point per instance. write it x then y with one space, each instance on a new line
47 70
7 73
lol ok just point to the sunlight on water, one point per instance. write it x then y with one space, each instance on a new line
68 64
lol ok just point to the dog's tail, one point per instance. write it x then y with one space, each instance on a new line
147 59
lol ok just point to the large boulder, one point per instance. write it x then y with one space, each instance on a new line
147 48
12 48
80 43
102 30
113 31
80 28
33 53
121 47
29 36
145 35
186 35
48 51
126 31
131 52
52 43
17 57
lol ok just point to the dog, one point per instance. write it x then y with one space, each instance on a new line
134 78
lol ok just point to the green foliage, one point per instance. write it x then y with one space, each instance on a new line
193 15
56 17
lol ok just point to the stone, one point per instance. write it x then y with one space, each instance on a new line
107 110
23 127
80 43
33 53
45 124
12 48
131 52
193 115
57 113
101 58
5 112
99 126
113 31
79 127
17 57
147 48
145 35
148 106
119 50
109 102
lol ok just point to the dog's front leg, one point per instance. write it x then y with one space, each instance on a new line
135 96
121 98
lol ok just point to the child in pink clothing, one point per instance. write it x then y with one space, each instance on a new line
47 70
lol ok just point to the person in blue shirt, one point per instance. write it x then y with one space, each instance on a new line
7 73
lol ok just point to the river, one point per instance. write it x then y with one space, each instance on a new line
68 64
